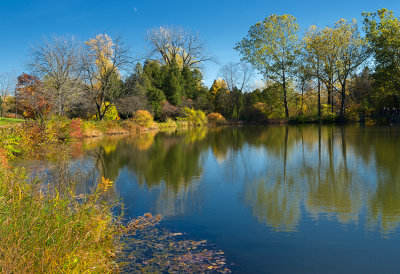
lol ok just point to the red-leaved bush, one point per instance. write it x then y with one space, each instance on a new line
76 128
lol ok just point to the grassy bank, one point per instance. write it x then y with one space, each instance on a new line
48 228
7 121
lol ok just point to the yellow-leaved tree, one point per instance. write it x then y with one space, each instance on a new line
218 86
103 61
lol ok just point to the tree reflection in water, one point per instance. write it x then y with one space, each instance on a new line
335 172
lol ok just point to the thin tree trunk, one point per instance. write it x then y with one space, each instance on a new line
319 97
343 93
302 97
285 96
59 101
329 91
332 98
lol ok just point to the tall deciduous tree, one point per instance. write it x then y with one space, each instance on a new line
272 47
351 54
33 100
175 43
323 51
57 62
383 33
101 65
313 58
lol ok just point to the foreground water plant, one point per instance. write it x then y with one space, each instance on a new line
158 250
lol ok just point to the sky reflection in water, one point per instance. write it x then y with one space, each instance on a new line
275 199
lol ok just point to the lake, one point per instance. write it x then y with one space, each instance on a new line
275 199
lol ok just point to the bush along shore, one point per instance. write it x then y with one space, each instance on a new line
49 228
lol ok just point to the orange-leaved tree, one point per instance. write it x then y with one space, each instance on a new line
31 97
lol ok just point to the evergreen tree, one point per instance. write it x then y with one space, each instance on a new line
172 85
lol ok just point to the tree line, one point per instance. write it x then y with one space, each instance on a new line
332 72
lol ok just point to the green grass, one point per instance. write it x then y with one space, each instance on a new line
6 121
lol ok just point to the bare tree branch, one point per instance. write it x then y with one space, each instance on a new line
175 43
56 61
237 75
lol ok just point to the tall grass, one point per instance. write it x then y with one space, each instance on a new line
48 228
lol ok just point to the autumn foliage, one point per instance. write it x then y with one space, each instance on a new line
218 86
215 117
143 118
32 99
3 158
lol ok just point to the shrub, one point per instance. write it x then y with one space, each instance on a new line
10 144
90 129
301 119
111 113
76 128
169 111
258 113
167 124
194 117
58 128
33 134
130 126
216 117
143 118
327 115
3 158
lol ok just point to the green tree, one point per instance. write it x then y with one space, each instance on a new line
272 46
322 47
352 53
191 82
382 30
156 97
313 59
172 85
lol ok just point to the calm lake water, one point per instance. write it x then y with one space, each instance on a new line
279 199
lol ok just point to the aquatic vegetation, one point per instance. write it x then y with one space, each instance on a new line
159 250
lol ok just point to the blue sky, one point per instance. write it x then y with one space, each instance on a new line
220 23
